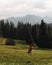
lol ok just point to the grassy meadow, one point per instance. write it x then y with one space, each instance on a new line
17 55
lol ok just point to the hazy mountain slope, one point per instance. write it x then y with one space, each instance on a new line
29 18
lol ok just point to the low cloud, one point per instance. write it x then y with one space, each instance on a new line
22 7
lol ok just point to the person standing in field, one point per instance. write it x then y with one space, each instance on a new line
30 49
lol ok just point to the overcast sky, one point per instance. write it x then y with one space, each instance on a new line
10 8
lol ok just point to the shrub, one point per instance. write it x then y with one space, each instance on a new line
10 42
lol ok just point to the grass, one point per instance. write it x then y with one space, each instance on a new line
17 55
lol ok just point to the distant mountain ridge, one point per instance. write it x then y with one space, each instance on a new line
29 18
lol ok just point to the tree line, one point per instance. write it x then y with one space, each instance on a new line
40 34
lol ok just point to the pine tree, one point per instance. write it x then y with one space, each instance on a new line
43 38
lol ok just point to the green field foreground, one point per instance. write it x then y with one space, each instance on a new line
17 55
